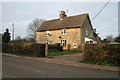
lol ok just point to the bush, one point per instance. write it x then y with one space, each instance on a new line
102 53
24 49
55 47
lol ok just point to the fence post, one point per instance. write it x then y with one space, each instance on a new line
46 50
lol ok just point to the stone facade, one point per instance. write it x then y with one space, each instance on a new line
72 35
76 28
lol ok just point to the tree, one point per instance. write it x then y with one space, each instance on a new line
95 33
33 26
117 39
108 39
6 36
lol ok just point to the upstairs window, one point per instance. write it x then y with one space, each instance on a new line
86 32
74 44
63 32
63 43
47 33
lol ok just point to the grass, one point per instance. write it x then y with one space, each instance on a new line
59 53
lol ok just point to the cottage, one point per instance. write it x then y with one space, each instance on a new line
70 31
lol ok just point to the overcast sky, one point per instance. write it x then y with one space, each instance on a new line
22 13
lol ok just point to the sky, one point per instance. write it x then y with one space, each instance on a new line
22 13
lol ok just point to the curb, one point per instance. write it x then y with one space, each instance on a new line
100 67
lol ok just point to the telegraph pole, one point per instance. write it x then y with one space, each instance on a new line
13 32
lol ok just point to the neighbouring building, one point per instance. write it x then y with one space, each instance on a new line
70 31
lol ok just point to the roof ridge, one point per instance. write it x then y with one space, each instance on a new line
67 17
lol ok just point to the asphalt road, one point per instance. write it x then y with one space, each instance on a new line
23 68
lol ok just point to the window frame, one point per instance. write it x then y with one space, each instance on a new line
74 45
47 33
63 32
63 43
47 41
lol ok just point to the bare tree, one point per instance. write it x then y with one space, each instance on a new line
108 39
33 26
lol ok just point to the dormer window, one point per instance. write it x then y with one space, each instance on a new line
47 33
63 32
86 32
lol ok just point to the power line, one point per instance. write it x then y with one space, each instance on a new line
100 10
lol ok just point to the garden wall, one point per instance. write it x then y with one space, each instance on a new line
102 53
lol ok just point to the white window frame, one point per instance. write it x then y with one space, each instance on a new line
74 44
47 41
63 31
47 33
63 43
86 32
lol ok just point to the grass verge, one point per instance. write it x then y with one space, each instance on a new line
59 53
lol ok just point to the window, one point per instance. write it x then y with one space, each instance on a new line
74 44
63 43
87 42
47 41
47 33
91 42
86 32
63 32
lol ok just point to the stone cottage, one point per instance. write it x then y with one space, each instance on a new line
70 31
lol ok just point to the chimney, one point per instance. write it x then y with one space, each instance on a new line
62 15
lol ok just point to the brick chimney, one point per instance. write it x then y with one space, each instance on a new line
62 15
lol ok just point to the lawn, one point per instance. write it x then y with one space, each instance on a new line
59 53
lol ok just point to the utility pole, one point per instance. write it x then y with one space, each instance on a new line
13 32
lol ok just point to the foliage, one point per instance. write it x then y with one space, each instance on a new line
117 39
6 36
25 39
59 53
108 39
37 50
95 33
102 53
33 26
55 47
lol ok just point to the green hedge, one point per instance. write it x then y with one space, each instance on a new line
55 47
102 53
24 49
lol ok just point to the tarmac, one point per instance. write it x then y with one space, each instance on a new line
69 60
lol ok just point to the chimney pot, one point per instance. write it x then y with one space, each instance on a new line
62 15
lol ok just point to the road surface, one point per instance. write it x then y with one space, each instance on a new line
14 67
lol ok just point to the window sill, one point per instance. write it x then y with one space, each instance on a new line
63 34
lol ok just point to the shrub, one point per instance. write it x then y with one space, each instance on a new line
24 49
102 53
55 47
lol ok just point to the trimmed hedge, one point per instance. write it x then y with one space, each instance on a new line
24 49
55 47
102 53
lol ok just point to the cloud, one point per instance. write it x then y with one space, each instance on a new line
22 13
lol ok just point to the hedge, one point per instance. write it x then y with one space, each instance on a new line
24 49
102 53
55 47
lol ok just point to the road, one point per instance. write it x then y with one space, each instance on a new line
14 67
